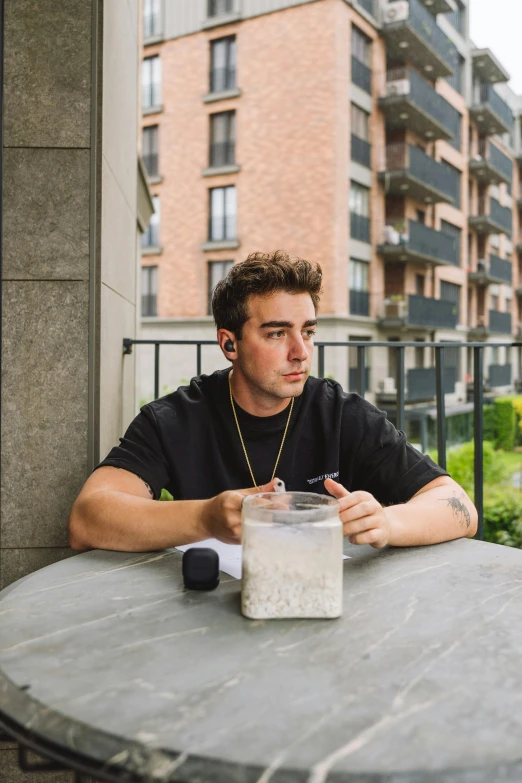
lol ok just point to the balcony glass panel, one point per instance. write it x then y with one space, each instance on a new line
500 161
359 227
428 170
352 379
361 151
499 322
361 75
500 268
425 25
359 302
368 5
434 244
499 374
427 99
501 215
421 382
431 312
485 95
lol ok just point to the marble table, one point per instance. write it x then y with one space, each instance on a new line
108 664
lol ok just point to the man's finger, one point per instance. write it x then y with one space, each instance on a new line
270 487
336 489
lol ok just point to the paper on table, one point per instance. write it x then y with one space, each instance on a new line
229 555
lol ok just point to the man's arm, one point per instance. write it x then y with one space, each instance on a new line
115 510
440 511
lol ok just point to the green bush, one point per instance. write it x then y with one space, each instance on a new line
502 422
503 517
460 465
490 428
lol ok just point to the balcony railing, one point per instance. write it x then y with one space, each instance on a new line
491 165
410 172
359 302
361 151
409 22
410 102
368 5
499 375
222 153
358 378
491 217
222 79
353 379
420 244
432 312
501 162
491 113
500 268
361 75
359 227
421 383
499 322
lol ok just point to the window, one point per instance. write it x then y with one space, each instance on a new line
361 46
421 216
419 353
456 18
150 237
223 64
450 292
223 207
151 18
217 270
452 231
454 178
151 83
222 138
358 282
150 150
454 123
360 144
149 291
419 285
359 212
220 7
508 298
361 60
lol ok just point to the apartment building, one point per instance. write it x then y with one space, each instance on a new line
369 135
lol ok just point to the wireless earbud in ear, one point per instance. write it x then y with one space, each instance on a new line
229 346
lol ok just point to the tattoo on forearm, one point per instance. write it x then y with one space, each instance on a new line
151 493
459 510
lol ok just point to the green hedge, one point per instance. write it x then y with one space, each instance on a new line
503 517
501 422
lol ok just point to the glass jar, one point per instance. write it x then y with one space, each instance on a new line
292 556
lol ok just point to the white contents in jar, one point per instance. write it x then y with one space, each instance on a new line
292 571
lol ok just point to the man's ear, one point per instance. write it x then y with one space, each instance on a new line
227 343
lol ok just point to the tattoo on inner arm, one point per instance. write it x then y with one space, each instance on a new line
151 493
459 510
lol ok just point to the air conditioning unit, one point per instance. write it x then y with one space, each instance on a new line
394 308
388 386
398 87
397 11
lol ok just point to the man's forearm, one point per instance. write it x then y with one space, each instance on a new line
123 522
439 514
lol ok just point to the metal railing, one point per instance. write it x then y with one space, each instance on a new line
361 151
415 161
500 161
434 244
425 311
222 153
425 97
421 383
361 376
501 215
361 75
485 95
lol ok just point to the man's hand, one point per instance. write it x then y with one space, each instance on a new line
364 519
222 513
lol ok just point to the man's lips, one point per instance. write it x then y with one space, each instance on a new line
294 375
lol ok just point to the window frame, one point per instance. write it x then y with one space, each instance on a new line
228 218
228 145
229 68
149 297
150 132
151 88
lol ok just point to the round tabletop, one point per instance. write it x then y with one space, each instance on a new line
105 658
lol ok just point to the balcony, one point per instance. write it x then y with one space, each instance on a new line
439 6
487 68
352 379
408 171
492 217
499 323
499 375
491 114
419 245
411 33
491 166
421 312
411 103
496 270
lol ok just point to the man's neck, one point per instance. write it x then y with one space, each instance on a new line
255 401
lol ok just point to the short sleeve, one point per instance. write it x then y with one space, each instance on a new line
141 452
388 466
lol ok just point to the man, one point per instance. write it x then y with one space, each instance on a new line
231 433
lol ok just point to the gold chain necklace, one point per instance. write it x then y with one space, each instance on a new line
241 437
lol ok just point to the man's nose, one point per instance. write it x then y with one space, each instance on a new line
298 349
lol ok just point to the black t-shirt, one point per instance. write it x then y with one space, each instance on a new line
187 443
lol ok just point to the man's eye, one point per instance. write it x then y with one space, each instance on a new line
309 333
276 335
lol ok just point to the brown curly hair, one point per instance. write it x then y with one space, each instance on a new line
259 274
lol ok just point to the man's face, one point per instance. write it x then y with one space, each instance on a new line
275 351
